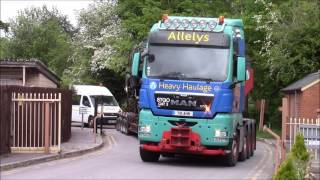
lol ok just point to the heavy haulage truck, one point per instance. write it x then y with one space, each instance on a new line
188 88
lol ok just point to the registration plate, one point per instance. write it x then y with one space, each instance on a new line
112 121
183 113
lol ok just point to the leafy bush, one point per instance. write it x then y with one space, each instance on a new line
294 167
287 170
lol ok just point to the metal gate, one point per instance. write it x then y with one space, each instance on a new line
310 129
36 122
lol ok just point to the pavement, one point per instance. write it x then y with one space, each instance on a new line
81 142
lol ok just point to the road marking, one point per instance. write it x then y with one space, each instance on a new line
260 164
113 140
263 163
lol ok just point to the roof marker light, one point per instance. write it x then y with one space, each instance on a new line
167 24
203 24
176 23
221 20
165 17
194 23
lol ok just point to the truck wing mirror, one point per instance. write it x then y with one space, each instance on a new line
241 69
135 64
150 58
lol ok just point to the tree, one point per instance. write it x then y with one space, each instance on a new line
98 48
284 45
43 34
4 26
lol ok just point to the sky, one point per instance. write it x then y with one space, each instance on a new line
9 8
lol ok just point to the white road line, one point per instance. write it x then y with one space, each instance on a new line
259 164
269 153
113 140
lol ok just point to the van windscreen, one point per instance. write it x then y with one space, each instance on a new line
107 100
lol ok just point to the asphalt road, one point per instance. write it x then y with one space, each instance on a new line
120 159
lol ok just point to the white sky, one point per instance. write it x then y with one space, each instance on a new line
9 8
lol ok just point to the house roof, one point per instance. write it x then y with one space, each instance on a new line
31 63
303 83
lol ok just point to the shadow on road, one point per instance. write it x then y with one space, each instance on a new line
183 160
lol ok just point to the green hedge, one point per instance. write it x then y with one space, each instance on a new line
294 167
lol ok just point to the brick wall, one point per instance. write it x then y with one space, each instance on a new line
310 101
294 101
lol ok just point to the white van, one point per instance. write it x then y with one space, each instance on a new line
85 98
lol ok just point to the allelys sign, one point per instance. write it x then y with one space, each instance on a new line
188 36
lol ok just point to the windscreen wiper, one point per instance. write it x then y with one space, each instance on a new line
172 75
199 79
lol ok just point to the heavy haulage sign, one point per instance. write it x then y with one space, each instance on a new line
185 86
189 38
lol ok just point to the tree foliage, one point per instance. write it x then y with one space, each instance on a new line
43 34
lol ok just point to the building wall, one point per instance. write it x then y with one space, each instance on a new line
35 79
45 82
10 76
310 101
294 104
14 76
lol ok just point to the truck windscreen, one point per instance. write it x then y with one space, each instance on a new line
188 62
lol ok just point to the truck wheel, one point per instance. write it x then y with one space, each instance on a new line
148 156
125 128
121 126
252 143
244 153
168 155
118 124
232 158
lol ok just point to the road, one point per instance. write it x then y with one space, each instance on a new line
120 160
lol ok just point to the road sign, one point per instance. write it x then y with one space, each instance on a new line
83 110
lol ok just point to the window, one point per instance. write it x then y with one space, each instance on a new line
85 101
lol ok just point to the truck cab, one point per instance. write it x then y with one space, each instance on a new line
192 91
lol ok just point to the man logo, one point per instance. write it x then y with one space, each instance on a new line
153 85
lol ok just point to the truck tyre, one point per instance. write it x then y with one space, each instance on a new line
148 156
243 155
254 139
168 155
125 128
252 142
231 159
118 124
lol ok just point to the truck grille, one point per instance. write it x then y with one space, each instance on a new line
182 101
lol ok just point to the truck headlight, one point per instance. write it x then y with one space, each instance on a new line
219 133
145 128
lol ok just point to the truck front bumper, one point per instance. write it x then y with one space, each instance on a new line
181 140
152 128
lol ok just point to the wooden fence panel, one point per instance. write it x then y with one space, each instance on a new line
5 116
33 127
